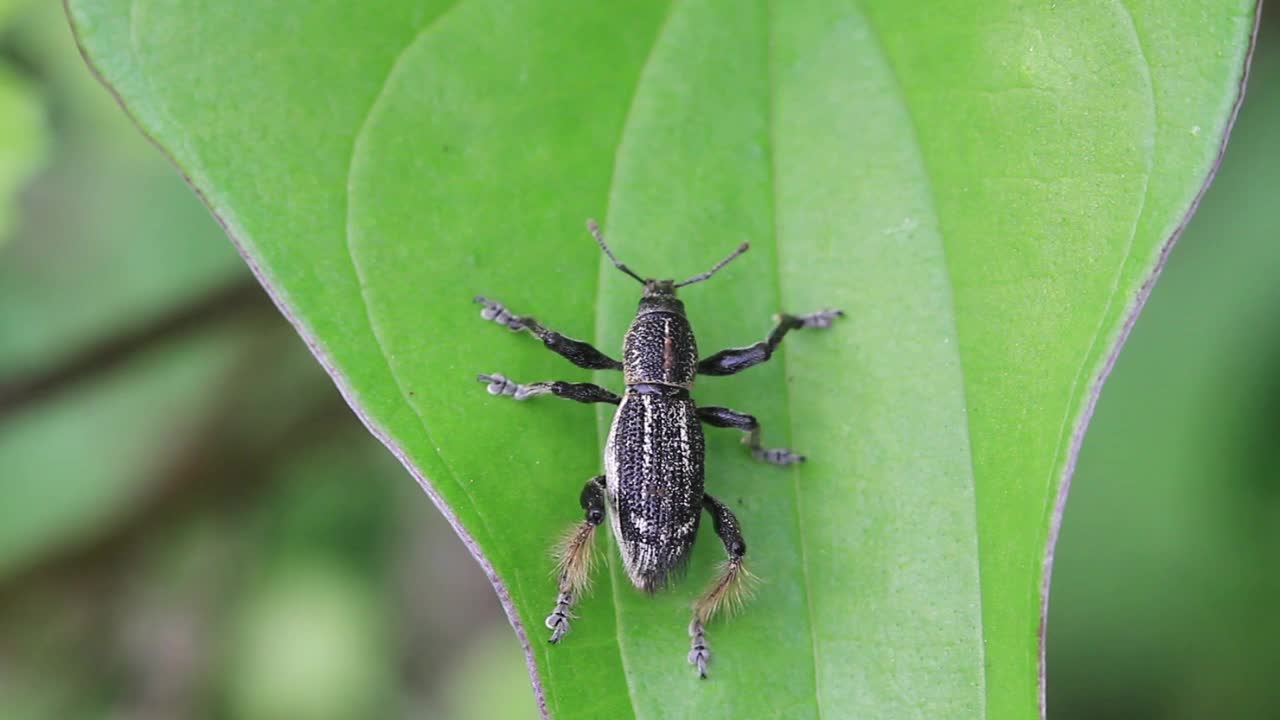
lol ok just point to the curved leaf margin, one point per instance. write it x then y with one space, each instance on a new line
1119 338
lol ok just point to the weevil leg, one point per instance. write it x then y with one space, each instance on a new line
724 417
729 591
735 360
582 392
575 351
574 558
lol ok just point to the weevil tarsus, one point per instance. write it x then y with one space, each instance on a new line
735 360
574 558
499 384
580 353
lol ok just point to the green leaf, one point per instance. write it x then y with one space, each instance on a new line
984 189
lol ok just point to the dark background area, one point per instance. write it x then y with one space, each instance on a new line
193 524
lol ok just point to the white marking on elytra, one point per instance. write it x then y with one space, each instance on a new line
647 434
668 354
685 452
645 557
635 555
611 478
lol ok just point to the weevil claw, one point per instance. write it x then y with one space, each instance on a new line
497 312
699 654
777 456
499 384
821 319
558 621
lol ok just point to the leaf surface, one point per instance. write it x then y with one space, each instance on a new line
983 189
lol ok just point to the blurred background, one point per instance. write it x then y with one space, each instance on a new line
193 524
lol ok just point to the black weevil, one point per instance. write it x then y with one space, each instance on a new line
653 480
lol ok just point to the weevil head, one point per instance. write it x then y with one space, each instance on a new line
659 288
660 296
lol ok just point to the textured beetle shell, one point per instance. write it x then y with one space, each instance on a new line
653 484
660 349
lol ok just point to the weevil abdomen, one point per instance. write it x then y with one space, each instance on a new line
654 482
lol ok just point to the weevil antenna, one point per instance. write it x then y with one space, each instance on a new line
699 278
594 229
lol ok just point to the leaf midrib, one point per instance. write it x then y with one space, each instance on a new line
771 155
1076 402
928 192
780 358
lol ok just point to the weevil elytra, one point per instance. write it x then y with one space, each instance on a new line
652 486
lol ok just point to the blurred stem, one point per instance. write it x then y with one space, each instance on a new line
220 465
222 303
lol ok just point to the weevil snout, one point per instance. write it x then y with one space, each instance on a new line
659 288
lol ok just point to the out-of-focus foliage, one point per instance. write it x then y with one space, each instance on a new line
111 236
106 240
8 8
21 141
71 464
22 132
311 635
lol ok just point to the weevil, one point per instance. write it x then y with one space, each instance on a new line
652 486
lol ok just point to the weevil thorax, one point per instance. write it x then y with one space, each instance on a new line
659 347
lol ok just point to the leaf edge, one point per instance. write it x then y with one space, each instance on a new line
1117 342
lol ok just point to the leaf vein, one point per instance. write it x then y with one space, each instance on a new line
376 331
914 129
770 129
